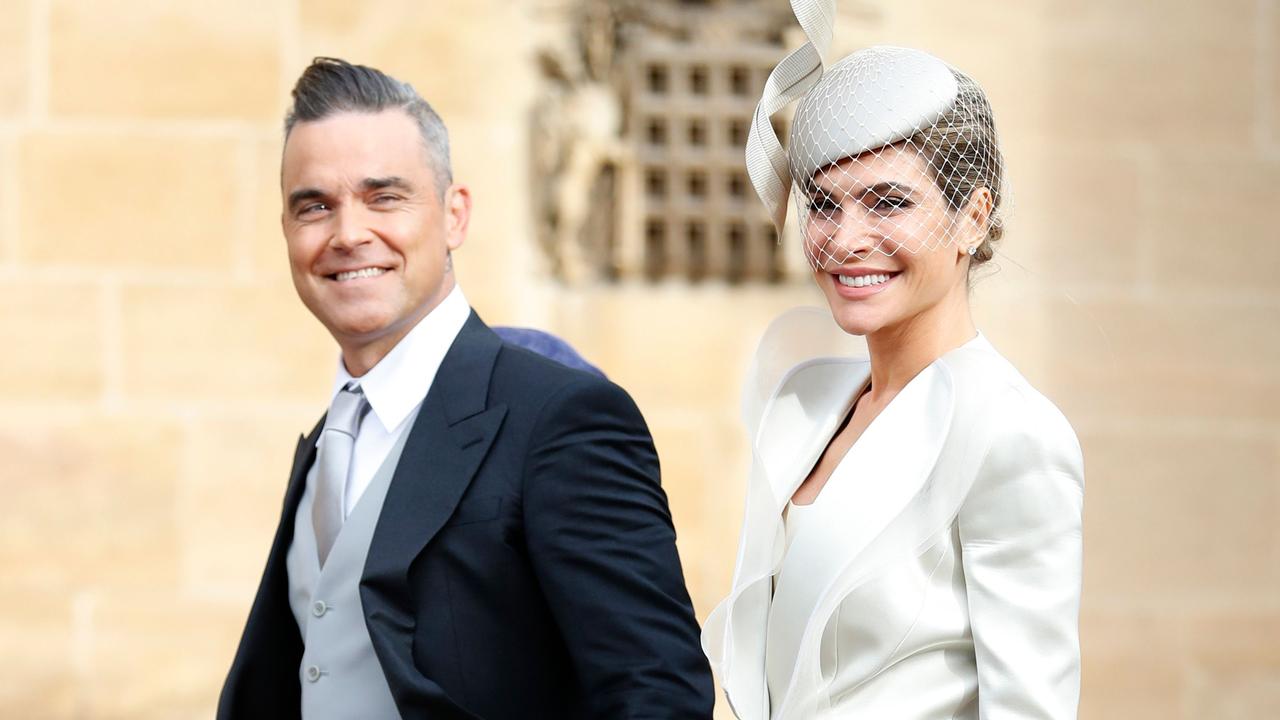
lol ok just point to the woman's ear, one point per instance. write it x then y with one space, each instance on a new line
978 215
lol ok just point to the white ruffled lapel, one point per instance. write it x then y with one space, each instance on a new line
800 420
793 430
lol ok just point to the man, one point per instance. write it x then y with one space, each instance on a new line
472 531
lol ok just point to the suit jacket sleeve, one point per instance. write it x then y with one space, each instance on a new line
602 544
1020 533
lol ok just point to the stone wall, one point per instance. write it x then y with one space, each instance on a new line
159 366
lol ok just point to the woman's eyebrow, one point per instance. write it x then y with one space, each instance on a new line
880 189
884 189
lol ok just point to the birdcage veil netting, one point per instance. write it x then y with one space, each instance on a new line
894 151
891 150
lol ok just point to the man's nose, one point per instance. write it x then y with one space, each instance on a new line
350 228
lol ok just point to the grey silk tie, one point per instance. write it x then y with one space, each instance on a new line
333 463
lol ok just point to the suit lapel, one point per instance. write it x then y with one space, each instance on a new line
276 573
264 676
449 439
437 466
447 443
303 456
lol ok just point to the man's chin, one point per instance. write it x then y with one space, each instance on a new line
359 330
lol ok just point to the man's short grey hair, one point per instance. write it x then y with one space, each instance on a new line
330 86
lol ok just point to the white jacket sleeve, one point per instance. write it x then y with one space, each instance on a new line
1020 535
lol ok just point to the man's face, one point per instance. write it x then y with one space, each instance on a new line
367 232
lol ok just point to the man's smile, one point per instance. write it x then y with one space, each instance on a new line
366 272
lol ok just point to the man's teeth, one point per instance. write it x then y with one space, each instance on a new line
862 280
361 273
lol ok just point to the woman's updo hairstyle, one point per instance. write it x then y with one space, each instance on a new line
963 154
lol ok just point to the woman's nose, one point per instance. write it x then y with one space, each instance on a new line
852 237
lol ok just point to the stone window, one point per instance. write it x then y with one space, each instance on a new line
697 185
655 183
655 249
657 79
698 132
699 83
737 186
657 131
652 185
696 234
702 220
736 237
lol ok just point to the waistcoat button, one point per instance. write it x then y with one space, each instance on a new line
319 608
313 673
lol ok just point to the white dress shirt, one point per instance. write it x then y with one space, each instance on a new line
396 387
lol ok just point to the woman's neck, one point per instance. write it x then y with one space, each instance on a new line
900 352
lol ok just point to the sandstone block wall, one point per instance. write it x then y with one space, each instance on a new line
158 368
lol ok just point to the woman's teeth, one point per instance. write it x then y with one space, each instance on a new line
862 280
362 273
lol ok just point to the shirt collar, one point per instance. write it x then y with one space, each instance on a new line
401 379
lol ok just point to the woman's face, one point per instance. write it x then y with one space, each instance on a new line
884 245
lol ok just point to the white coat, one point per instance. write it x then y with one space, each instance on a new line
937 575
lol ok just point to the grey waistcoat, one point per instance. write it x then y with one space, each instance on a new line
340 675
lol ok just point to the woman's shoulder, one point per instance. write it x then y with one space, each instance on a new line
1019 418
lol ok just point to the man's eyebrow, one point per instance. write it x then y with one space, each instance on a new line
379 183
301 194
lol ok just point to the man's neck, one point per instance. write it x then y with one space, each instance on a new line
359 357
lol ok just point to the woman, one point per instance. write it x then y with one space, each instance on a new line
911 547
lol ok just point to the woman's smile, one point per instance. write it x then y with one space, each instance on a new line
861 283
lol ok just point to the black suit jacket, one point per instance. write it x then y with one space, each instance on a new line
524 565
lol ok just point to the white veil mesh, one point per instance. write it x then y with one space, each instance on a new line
891 150
894 150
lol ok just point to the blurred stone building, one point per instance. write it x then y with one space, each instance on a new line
159 366
638 141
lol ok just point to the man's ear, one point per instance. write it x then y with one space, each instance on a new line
457 208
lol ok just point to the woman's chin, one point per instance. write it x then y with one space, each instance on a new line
857 323
855 319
